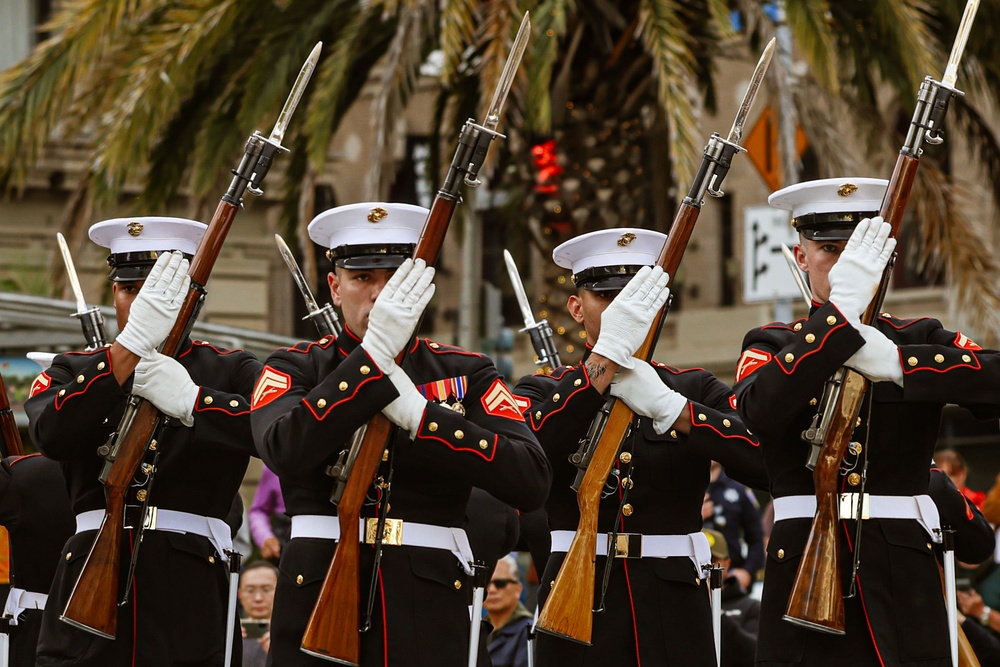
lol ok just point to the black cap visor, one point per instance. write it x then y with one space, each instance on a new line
605 278
836 226
367 257
129 267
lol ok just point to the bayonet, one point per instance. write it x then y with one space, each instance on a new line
736 132
298 88
267 148
324 318
475 139
492 118
719 152
546 353
958 47
90 318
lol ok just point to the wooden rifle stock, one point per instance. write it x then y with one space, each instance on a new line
333 628
93 603
816 600
10 437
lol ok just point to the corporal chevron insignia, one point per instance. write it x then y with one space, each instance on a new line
500 402
271 385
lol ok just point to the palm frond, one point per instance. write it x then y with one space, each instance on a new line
458 29
548 29
396 80
662 32
37 93
807 20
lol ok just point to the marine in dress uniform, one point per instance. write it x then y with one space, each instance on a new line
35 510
657 606
176 608
916 366
459 427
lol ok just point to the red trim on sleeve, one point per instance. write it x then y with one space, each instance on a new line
697 423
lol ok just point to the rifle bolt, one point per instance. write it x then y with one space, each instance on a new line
103 450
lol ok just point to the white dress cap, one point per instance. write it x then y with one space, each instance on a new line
368 223
830 208
148 234
596 257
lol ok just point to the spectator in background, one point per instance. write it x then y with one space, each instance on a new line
508 643
269 526
736 514
256 594
953 465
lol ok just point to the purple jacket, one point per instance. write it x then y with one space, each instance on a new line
266 502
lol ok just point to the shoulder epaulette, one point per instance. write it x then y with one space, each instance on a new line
674 370
441 348
305 346
901 323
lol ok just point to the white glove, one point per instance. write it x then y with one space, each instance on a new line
397 310
162 381
643 391
878 358
626 321
407 411
155 309
858 271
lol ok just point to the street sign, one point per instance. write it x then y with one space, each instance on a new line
766 276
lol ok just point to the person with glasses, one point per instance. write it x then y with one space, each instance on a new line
256 594
511 621
656 606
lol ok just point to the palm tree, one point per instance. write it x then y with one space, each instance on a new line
156 87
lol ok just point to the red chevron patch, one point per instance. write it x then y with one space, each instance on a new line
270 385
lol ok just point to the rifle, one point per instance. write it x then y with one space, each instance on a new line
333 629
568 609
816 601
90 318
10 437
92 605
546 353
324 318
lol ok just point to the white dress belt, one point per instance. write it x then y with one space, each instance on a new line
397 533
214 530
19 600
634 545
917 508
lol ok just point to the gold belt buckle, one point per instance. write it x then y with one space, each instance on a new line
849 505
392 534
626 545
149 519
